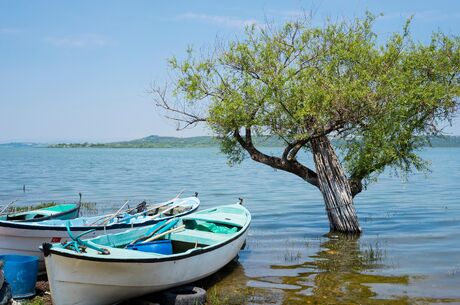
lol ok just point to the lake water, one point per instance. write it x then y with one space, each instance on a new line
409 251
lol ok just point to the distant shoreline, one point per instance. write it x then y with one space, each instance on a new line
208 141
167 142
108 145
195 142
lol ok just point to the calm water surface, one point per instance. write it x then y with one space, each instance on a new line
409 252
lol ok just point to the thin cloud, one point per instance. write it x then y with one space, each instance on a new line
81 41
225 21
9 31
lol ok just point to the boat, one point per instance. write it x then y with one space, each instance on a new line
58 211
25 238
115 267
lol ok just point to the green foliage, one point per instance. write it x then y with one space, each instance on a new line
35 301
301 81
417 92
234 152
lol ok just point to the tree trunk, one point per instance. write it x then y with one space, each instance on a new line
335 188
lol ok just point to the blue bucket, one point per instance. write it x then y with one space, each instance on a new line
158 246
21 273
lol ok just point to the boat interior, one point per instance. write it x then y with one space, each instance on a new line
123 218
194 235
170 212
194 232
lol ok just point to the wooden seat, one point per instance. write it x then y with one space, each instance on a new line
200 237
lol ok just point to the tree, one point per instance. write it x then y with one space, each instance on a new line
381 101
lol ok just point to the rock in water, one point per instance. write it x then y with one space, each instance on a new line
6 296
5 291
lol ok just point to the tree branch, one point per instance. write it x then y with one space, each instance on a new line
292 149
292 166
293 153
182 116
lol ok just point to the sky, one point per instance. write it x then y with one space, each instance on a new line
73 71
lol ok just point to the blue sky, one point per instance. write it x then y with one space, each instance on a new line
80 70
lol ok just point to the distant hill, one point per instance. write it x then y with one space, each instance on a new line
155 141
447 141
23 144
147 142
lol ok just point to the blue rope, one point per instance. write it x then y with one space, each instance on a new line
77 242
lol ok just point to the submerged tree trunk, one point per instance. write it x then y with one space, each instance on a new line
335 188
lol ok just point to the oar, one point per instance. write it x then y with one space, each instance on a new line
169 209
129 217
165 226
164 203
120 209
145 212
163 234
153 230
180 193
7 206
116 214
110 216
156 215
159 205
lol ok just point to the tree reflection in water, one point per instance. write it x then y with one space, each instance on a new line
342 272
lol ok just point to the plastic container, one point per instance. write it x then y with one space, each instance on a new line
21 273
158 246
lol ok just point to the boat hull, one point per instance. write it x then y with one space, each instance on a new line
24 241
70 212
86 282
74 213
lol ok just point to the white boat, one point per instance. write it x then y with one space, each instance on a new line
25 238
103 271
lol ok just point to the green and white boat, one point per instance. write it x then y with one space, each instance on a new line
58 211
116 267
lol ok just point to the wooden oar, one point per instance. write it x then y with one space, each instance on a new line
164 203
116 214
7 206
169 209
159 205
110 216
156 215
163 234
151 209
152 233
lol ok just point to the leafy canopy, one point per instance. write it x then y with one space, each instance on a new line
299 82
